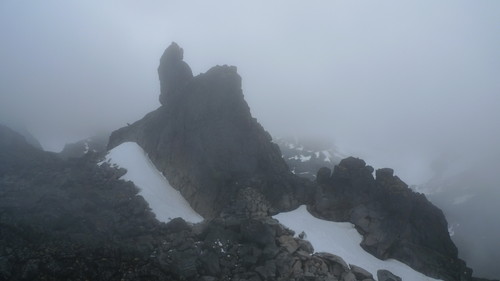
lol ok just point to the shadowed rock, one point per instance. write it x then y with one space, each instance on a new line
207 143
174 73
395 222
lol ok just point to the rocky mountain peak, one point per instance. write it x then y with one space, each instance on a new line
173 72
206 142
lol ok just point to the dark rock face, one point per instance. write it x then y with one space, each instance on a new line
386 275
394 221
64 219
208 145
70 220
174 73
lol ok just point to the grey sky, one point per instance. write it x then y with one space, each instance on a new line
395 82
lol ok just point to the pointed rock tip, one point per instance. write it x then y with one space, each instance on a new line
173 53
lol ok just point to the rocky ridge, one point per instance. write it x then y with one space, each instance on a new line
71 219
395 222
206 142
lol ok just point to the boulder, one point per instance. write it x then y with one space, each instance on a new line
360 273
348 276
333 259
323 175
288 243
386 275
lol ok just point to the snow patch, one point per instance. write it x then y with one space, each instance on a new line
165 202
343 240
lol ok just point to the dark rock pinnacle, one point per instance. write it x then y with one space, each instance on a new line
173 72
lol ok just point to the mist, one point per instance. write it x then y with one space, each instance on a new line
397 84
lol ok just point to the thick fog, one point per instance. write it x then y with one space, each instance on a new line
398 83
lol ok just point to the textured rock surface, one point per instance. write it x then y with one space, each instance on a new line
174 73
394 221
74 220
208 145
386 275
70 219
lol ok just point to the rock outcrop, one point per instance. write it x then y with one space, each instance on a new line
395 222
174 73
206 142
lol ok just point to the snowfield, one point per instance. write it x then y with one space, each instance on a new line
343 240
166 202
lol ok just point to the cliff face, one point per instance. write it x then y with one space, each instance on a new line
395 221
206 142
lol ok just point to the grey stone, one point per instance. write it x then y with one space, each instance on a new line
386 275
360 273
348 276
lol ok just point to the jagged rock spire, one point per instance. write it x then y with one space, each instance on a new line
173 72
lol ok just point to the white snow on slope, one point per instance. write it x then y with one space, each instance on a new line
166 202
343 240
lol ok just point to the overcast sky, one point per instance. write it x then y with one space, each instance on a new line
398 83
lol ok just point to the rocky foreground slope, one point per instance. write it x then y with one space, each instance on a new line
74 220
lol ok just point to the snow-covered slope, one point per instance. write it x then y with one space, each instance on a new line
343 240
165 201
